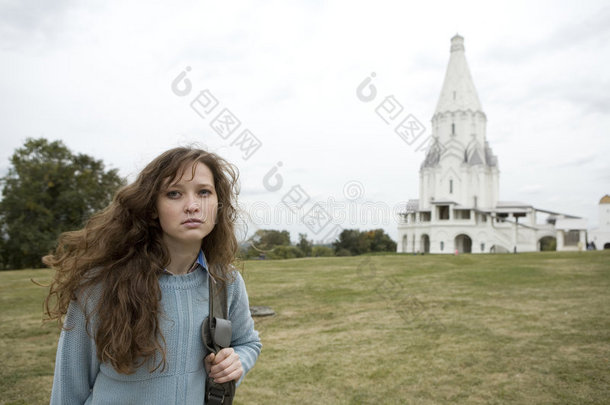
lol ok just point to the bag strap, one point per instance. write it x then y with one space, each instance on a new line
221 336
216 335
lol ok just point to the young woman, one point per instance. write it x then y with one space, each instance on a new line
132 286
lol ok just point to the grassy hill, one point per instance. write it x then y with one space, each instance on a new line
392 329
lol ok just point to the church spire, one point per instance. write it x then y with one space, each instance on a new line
459 165
458 93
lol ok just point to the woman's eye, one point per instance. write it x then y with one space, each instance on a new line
205 192
173 194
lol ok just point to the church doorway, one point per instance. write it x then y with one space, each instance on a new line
463 243
547 244
606 246
425 243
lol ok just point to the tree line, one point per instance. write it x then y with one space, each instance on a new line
49 190
274 244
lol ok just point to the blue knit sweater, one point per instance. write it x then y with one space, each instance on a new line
81 379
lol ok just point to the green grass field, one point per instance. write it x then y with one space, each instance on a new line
394 329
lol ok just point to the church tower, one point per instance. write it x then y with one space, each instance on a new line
458 209
460 168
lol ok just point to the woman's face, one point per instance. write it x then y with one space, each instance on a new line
187 207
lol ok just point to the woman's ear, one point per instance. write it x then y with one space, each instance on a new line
154 215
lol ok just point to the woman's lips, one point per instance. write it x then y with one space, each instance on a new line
192 222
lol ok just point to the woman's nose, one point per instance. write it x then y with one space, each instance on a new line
193 205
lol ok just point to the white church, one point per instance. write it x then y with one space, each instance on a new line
599 237
458 209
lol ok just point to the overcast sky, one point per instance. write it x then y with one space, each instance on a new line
98 75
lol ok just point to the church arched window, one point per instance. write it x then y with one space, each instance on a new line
450 186
452 129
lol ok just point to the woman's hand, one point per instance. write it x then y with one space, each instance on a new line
224 366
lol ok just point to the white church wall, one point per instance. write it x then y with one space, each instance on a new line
600 238
604 216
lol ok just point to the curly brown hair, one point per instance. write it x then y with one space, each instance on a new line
120 250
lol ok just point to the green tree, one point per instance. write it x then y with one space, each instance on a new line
380 241
322 251
48 190
265 240
352 240
304 245
285 252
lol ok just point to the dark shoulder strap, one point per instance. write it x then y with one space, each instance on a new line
216 334
220 325
218 301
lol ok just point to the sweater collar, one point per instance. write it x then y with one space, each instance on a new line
200 262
